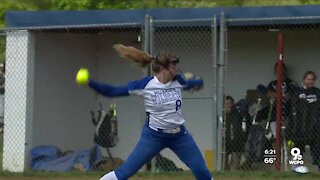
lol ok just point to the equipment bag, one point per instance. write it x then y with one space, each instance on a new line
257 143
106 132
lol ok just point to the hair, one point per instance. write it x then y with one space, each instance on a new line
230 98
143 59
306 74
163 59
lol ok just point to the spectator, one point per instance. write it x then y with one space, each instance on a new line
303 127
2 90
236 134
288 87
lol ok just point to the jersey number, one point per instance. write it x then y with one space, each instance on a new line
178 105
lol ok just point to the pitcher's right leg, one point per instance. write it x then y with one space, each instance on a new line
148 146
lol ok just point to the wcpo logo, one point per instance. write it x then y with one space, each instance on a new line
297 157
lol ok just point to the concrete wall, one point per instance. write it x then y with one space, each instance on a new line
117 71
61 107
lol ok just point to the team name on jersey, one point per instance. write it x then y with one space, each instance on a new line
310 98
166 95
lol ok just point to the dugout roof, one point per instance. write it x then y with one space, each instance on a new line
24 19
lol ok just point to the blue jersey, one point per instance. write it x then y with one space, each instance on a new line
162 102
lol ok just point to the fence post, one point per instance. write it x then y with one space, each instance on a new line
149 30
19 100
214 88
279 101
220 92
146 38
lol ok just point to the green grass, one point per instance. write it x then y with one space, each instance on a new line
267 175
186 175
234 175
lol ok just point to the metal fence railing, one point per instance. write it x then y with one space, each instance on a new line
233 118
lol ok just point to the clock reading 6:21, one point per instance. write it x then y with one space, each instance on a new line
270 151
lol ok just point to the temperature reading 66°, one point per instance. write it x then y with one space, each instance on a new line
269 160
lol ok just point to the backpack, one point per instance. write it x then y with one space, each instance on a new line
106 131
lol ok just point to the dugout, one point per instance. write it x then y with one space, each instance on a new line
45 49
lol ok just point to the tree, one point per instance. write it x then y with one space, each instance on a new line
6 5
2 48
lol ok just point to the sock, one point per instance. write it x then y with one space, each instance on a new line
110 176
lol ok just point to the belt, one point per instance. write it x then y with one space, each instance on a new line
168 131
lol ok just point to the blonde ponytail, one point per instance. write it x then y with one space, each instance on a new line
128 52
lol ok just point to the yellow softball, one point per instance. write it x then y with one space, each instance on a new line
291 143
82 77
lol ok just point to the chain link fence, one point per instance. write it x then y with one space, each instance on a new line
251 104
2 59
49 118
2 76
233 119
194 42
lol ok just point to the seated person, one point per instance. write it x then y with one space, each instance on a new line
236 134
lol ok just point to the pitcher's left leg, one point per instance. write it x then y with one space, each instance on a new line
187 150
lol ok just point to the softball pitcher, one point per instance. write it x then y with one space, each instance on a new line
164 127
